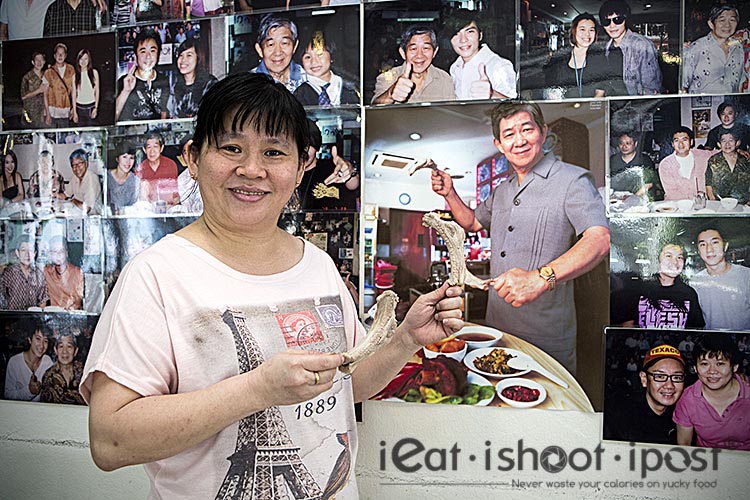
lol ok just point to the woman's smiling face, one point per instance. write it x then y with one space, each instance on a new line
246 177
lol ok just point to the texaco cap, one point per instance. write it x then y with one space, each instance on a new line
661 352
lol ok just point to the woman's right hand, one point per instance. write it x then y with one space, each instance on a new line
289 377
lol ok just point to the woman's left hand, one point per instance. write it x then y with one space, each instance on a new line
435 315
94 113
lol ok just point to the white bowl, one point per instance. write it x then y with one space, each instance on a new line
728 203
458 355
685 205
492 336
509 382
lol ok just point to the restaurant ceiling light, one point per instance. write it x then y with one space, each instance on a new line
415 136
322 12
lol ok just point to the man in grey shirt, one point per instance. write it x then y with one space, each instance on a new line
534 218
723 288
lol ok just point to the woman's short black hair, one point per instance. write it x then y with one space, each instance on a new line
254 99
713 345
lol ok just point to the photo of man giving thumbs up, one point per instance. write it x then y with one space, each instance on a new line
417 80
478 73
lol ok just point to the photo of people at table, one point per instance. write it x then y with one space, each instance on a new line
407 65
147 170
47 175
49 266
43 356
59 82
616 48
316 58
717 40
530 276
682 387
160 76
669 272
659 163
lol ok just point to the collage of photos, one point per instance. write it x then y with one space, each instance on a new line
579 165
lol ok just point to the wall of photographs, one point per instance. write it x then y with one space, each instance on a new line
94 129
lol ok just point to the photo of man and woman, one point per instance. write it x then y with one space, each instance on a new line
160 77
682 387
45 355
477 60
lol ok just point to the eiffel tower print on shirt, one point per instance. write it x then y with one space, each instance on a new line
265 464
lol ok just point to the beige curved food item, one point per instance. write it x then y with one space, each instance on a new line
382 329
425 163
454 237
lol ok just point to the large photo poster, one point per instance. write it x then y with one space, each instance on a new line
412 169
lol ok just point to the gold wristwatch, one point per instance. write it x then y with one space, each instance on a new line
548 275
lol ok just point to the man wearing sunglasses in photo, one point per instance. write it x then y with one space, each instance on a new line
632 58
646 416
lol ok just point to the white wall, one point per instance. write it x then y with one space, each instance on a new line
45 455
423 199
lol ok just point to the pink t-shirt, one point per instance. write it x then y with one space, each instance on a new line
180 320
730 430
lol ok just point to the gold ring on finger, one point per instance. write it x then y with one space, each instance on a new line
317 378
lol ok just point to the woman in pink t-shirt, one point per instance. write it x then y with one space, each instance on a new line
225 339
716 409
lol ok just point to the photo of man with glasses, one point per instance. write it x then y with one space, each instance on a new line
646 416
632 60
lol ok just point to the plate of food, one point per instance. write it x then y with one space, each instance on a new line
493 362
439 380
665 208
